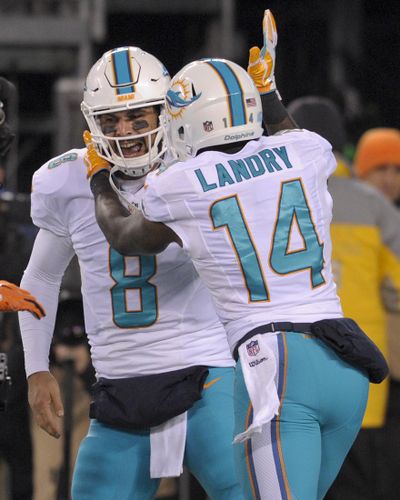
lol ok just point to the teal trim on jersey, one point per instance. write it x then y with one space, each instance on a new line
227 213
293 205
124 282
234 91
123 71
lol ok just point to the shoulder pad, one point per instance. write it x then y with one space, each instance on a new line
66 157
60 171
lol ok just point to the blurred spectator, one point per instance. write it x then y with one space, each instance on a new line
15 435
377 161
17 234
70 341
2 177
366 256
322 116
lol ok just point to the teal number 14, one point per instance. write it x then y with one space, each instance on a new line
293 208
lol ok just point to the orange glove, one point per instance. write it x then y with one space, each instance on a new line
93 161
261 66
13 298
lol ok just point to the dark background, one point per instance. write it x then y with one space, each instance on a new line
367 46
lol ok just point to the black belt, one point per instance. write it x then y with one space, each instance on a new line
282 326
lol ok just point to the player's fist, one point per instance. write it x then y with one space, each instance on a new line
93 161
261 65
13 298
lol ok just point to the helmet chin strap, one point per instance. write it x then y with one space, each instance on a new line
140 165
134 166
123 198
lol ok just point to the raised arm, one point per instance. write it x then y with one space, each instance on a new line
127 232
261 68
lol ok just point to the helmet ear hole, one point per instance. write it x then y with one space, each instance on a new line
181 133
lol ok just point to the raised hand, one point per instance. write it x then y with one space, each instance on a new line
261 65
93 161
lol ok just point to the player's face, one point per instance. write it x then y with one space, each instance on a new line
128 123
387 180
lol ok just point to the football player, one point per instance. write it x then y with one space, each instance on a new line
253 213
156 343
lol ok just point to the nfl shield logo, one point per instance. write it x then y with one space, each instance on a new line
208 126
253 348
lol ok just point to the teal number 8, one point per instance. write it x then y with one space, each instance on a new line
147 315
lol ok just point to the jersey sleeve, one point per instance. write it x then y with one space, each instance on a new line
313 149
328 162
50 257
154 204
158 205
54 186
46 212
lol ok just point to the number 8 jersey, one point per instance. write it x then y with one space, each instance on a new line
143 314
256 225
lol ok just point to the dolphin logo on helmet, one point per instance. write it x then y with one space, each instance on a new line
174 99
229 109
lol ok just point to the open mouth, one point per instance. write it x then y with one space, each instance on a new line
133 147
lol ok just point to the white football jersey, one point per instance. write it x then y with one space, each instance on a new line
256 225
144 314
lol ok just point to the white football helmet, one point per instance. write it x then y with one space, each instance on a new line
123 79
211 102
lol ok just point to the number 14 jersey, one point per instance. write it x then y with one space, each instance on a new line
256 225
